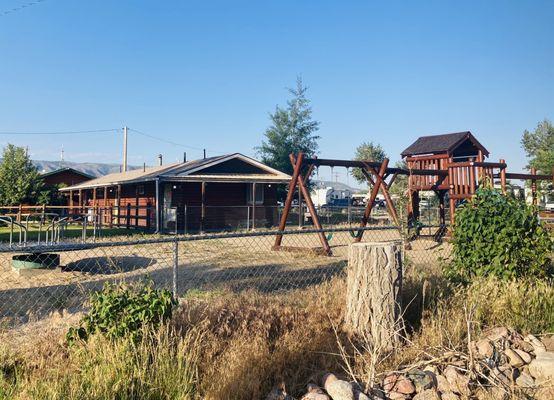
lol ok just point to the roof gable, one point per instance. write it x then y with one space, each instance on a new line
67 169
229 164
445 143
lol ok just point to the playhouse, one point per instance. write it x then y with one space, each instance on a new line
451 165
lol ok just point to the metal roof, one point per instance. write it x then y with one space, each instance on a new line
66 169
188 171
444 143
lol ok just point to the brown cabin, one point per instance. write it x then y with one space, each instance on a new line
213 193
458 158
65 177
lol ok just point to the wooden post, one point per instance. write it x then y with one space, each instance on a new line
203 208
452 211
253 227
372 197
413 207
80 201
472 182
288 201
118 204
128 216
373 293
94 210
71 202
136 207
442 211
105 202
503 177
148 220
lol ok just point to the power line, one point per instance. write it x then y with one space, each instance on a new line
171 142
21 7
63 132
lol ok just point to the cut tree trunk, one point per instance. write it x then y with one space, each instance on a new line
374 283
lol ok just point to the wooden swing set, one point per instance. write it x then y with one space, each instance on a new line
450 164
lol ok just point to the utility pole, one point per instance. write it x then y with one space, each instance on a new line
124 149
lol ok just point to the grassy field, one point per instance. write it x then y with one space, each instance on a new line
225 345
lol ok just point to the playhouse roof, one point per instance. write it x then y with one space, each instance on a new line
445 143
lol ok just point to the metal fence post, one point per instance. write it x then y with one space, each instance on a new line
175 264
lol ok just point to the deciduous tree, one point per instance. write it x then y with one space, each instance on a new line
19 179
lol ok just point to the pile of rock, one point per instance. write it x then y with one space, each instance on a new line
501 363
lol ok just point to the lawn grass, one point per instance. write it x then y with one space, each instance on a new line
71 232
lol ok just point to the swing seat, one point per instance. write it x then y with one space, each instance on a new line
356 235
329 236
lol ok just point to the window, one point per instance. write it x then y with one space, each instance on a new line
259 193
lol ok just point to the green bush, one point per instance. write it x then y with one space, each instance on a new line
123 311
497 235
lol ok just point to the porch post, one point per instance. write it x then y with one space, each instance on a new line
158 208
71 202
203 208
253 205
118 205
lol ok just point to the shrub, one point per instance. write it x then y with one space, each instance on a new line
497 235
122 310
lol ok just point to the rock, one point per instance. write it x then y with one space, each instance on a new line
496 334
422 380
428 394
442 384
484 348
359 395
525 356
513 358
404 386
315 396
459 383
394 383
548 342
521 344
525 380
501 376
449 396
542 367
397 396
315 393
278 393
431 368
538 346
389 382
337 389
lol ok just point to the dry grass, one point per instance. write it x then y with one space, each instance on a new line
223 345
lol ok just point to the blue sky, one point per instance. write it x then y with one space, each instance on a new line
206 74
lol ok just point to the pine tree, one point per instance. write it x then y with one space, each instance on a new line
292 130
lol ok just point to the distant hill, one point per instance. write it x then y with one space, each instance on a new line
94 169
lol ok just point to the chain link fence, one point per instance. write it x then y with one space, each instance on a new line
37 279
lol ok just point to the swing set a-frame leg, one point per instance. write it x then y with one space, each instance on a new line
299 181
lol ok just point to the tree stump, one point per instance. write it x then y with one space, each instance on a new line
374 283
